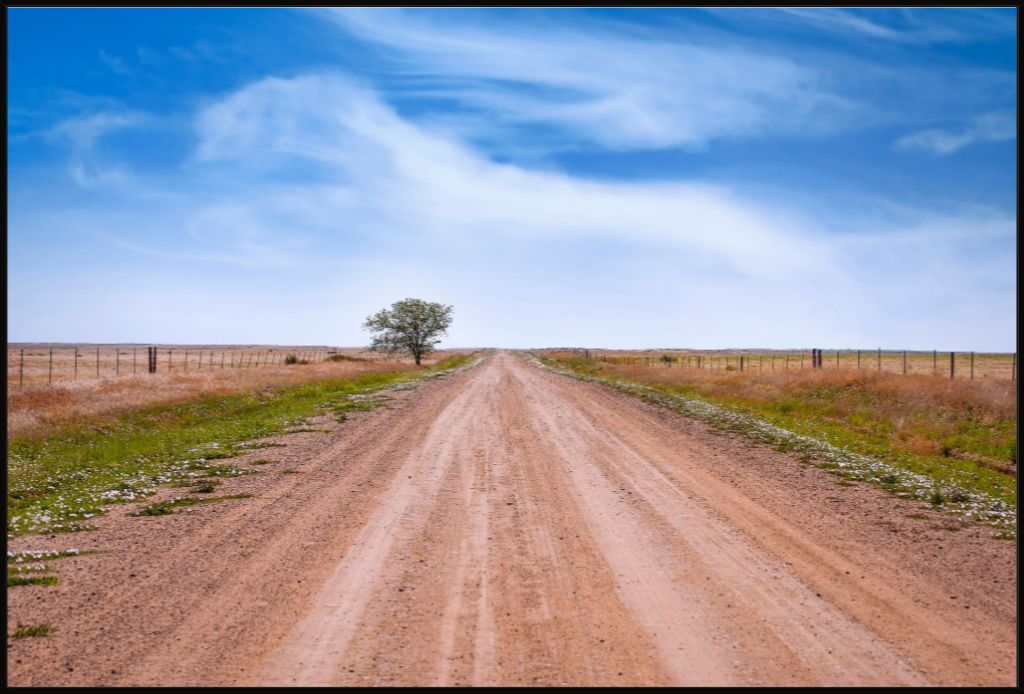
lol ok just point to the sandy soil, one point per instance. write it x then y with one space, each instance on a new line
512 526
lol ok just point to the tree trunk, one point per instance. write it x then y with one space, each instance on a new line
417 357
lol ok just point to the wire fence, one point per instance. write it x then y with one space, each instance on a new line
967 365
33 366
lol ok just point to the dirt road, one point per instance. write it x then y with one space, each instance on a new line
512 526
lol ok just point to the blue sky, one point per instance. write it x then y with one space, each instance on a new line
605 178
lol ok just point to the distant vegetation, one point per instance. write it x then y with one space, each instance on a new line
410 326
59 479
930 424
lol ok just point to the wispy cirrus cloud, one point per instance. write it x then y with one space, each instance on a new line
901 26
711 249
997 126
615 90
398 206
82 135
438 185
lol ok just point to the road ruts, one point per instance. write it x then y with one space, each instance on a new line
507 526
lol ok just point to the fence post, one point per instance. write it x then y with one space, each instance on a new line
879 358
858 360
49 374
904 362
935 361
21 370
952 364
837 358
972 366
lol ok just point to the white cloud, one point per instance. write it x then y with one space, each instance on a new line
617 91
502 239
116 64
903 25
528 257
82 135
421 180
997 126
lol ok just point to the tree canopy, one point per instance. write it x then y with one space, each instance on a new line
410 325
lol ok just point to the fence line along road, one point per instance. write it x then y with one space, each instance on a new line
44 365
966 365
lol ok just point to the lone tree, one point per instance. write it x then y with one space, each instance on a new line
410 325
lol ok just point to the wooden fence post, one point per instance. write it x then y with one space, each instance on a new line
952 364
972 366
904 362
879 358
858 360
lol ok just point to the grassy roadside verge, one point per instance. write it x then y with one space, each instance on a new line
58 481
961 487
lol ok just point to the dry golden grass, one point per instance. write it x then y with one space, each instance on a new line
994 398
35 364
986 365
39 409
923 414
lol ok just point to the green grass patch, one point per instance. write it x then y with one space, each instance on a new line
58 481
164 508
20 580
38 630
817 419
824 415
205 487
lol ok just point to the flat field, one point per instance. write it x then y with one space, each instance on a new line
501 519
191 372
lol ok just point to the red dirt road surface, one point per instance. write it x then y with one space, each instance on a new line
507 525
